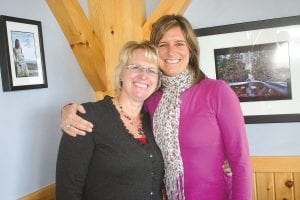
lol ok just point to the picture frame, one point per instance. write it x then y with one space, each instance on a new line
22 57
260 61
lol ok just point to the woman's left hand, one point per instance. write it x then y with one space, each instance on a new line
226 168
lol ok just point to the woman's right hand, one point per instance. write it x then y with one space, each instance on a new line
71 123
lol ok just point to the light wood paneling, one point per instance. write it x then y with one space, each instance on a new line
265 186
254 192
276 178
297 185
46 193
283 190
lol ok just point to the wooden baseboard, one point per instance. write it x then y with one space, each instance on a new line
46 193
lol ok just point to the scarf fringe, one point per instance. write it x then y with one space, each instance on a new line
177 192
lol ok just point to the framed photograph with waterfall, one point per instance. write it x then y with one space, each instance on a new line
260 61
21 54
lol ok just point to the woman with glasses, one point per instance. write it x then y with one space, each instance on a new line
197 121
119 159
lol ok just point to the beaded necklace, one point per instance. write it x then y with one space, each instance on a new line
138 127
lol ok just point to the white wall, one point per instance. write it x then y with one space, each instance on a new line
264 139
29 119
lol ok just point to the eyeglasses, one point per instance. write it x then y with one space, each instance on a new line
138 69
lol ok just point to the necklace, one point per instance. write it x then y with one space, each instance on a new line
138 127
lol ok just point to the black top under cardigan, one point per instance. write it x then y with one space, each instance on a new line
108 163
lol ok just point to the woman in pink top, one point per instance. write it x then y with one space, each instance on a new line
197 121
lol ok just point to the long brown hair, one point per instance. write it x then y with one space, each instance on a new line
166 22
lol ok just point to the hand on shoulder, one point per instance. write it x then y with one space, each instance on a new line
71 123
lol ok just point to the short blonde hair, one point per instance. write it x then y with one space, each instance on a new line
125 55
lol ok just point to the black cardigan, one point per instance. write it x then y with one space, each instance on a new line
108 163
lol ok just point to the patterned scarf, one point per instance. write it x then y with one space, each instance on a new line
166 131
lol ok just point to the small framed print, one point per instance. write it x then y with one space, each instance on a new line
22 57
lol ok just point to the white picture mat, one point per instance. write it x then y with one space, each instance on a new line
22 27
254 37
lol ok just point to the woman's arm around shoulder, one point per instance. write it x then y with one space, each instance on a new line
73 159
72 123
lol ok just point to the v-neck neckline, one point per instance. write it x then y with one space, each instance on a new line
121 126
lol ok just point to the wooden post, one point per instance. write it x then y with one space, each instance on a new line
96 42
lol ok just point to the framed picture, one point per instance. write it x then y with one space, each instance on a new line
21 54
260 61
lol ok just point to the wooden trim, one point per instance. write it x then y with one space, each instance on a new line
275 163
264 169
46 193
96 41
86 46
275 177
297 185
164 7
115 22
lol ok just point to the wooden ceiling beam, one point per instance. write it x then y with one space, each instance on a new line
88 49
164 7
96 42
116 22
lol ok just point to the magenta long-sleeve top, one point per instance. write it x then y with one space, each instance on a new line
212 130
